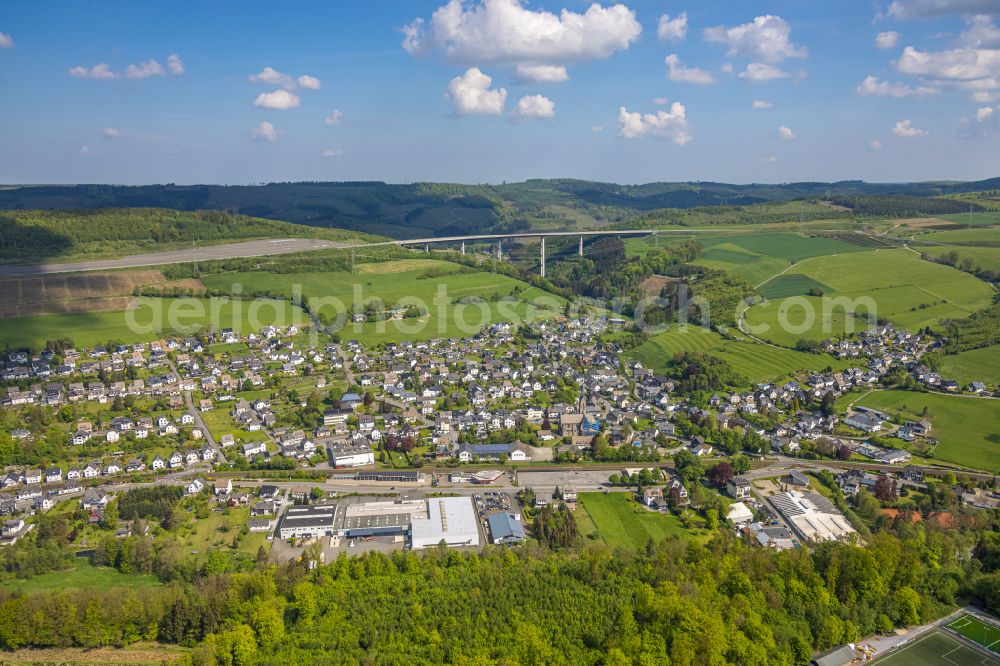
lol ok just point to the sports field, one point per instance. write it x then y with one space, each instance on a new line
623 522
152 318
903 288
757 362
977 631
936 648
438 286
967 428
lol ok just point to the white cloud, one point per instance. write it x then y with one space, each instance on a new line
6 41
872 86
144 70
504 31
334 118
470 94
98 72
874 145
86 150
983 114
597 128
660 101
770 159
273 77
672 29
280 100
309 82
727 67
757 71
966 68
534 106
887 40
175 64
264 132
906 130
540 74
981 32
332 153
111 134
761 104
984 97
767 38
921 8
786 133
671 125
678 72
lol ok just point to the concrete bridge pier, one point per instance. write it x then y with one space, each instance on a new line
543 256
580 252
463 247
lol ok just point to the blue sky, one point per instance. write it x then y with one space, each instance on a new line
474 92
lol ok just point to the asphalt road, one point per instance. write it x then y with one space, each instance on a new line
254 248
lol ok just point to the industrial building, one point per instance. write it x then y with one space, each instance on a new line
812 516
451 520
346 455
505 528
303 522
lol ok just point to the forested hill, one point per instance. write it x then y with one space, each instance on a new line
429 209
27 235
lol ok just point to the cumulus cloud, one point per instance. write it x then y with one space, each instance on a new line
660 101
786 133
727 67
540 74
981 32
761 104
887 40
334 118
965 68
329 152
6 41
678 72
872 86
984 97
925 8
672 29
770 159
470 95
906 130
534 106
767 38
86 150
504 31
874 145
671 125
309 82
983 114
101 70
758 71
597 128
264 132
111 134
175 64
144 70
280 100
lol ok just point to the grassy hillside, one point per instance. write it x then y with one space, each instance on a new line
30 235
975 365
910 292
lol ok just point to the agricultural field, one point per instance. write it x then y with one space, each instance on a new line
756 361
975 365
98 291
623 522
973 219
436 285
150 319
986 258
83 575
962 236
754 267
910 292
936 648
967 428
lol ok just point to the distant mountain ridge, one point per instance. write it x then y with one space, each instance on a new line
421 209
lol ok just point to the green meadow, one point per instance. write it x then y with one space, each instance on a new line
150 319
83 575
896 285
973 219
975 365
967 428
623 522
758 362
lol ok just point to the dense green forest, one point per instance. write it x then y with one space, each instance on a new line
900 206
676 602
34 234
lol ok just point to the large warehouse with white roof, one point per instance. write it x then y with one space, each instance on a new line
449 519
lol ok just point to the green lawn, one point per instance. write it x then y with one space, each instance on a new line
756 361
623 522
976 365
82 575
936 649
151 319
900 286
967 429
435 285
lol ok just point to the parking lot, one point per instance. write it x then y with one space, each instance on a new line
581 480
